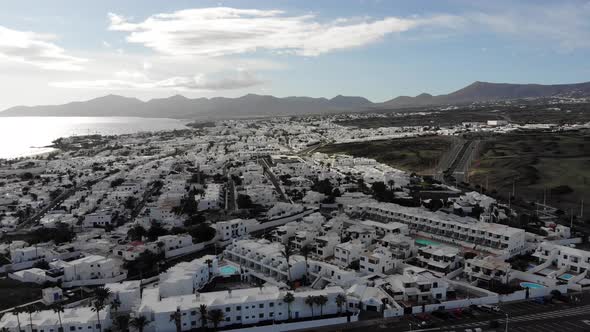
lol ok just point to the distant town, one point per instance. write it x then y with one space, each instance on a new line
290 223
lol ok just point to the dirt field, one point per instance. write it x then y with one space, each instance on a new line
538 163
411 154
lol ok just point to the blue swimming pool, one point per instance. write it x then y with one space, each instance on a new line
530 285
425 242
566 276
228 270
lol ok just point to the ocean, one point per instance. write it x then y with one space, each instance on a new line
26 136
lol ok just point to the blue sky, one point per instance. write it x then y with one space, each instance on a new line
60 51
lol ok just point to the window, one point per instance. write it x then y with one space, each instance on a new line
261 305
193 313
193 323
227 309
239 308
72 328
238 317
227 319
272 304
271 314
261 316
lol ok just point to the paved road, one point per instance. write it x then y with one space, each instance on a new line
274 180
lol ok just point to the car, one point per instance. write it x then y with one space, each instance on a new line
490 308
441 314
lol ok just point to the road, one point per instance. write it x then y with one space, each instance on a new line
273 178
524 316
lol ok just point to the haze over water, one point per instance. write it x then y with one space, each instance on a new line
24 136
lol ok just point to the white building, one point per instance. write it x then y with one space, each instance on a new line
412 288
51 295
348 252
402 246
566 259
91 270
128 294
188 277
242 306
77 319
234 229
212 199
98 219
439 258
486 270
381 260
492 237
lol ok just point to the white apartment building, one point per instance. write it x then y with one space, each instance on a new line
323 274
264 260
440 258
402 246
174 242
564 258
304 238
30 254
234 229
410 288
212 199
383 229
242 306
127 292
364 234
188 277
91 270
485 236
381 260
73 320
486 270
324 245
348 252
98 219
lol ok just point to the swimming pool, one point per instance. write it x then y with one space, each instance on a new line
566 276
228 270
530 285
425 242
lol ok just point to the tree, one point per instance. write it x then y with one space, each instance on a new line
156 231
216 316
202 233
321 300
203 312
97 306
58 309
17 311
102 294
305 251
244 201
391 184
310 301
31 310
209 266
287 251
139 323
340 301
176 317
289 298
136 233
122 322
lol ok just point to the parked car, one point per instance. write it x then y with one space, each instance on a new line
490 308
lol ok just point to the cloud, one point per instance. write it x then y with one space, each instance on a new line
225 31
132 80
36 49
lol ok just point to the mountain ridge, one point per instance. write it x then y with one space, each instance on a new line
252 105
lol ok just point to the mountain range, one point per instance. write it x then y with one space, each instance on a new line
252 105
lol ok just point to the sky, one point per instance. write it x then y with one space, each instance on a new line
58 51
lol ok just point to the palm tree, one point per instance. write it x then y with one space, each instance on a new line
122 323
203 312
260 284
289 298
216 316
97 306
102 294
4 329
391 183
139 323
321 300
17 311
305 251
287 251
31 310
58 309
310 301
340 301
176 318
